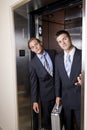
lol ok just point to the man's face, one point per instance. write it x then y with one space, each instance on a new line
64 42
36 47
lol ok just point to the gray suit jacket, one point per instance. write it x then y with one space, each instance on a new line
64 86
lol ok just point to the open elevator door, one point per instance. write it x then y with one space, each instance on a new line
46 21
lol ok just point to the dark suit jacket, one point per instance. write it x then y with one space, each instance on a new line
42 84
64 86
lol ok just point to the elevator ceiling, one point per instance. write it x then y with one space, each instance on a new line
33 5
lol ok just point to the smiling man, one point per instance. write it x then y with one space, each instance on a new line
41 69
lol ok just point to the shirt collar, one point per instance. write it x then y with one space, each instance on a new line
71 52
40 56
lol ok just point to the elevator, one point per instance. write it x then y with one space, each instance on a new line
41 19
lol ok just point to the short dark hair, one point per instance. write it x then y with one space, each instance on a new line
32 40
62 32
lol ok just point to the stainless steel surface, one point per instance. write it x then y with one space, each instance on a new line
33 5
55 117
23 85
73 24
23 90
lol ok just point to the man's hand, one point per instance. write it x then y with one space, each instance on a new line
79 80
58 100
36 107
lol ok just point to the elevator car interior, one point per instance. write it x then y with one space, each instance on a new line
41 19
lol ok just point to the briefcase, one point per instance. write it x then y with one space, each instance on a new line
56 117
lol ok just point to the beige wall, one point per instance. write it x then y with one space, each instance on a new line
8 101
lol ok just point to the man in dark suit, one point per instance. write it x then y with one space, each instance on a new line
42 80
66 73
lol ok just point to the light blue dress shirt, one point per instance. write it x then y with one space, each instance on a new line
48 59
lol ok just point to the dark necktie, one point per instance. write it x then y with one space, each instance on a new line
68 65
47 67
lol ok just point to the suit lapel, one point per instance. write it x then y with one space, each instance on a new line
40 65
63 66
38 62
51 55
74 64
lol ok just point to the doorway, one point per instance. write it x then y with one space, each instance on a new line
49 21
68 18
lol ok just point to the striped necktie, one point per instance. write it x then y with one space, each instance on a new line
46 65
68 64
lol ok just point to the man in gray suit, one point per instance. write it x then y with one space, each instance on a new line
41 69
66 73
